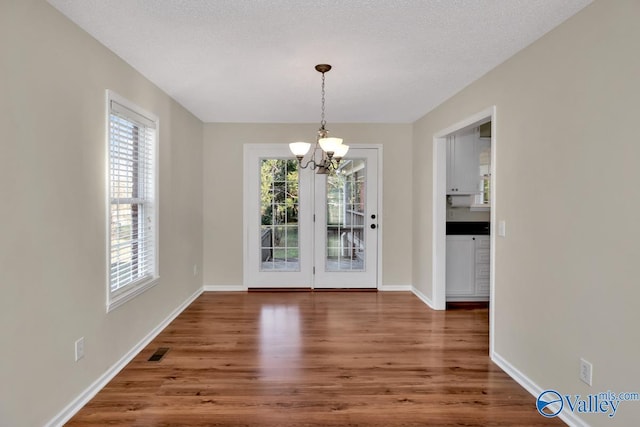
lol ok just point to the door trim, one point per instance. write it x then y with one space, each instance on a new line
438 250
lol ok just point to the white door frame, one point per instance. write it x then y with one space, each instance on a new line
438 261
251 148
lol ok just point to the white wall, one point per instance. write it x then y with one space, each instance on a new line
53 78
223 177
567 185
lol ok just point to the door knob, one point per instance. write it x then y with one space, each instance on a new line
373 226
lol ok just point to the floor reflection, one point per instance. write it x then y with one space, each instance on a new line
280 341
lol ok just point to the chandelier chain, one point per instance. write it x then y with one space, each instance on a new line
322 121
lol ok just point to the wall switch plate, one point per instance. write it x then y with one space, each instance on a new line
502 228
79 347
586 371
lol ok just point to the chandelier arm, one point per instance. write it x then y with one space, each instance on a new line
307 164
333 164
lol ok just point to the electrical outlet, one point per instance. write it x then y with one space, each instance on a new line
586 371
195 269
79 348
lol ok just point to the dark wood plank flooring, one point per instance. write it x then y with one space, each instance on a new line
316 359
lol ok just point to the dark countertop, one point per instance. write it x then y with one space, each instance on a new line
468 228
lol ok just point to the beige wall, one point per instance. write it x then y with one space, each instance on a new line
567 185
223 175
53 78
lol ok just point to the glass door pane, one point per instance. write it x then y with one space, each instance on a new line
279 207
346 210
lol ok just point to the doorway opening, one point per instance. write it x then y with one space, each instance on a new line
440 192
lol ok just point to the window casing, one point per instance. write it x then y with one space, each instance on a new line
132 200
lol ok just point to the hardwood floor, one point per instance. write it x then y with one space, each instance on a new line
316 359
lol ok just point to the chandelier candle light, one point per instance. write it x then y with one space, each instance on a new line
333 150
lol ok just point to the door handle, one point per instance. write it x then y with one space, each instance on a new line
373 226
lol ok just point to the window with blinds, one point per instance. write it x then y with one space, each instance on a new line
132 195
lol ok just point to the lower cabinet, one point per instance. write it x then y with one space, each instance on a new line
468 268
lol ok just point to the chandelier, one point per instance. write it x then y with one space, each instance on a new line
331 150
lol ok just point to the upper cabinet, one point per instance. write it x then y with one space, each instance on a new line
468 163
463 168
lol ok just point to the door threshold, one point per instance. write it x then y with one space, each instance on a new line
276 289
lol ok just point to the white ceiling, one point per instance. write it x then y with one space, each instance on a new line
253 60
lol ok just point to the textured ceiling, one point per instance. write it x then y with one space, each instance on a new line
253 60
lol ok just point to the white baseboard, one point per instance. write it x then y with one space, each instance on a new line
72 408
225 288
425 299
568 417
242 288
394 288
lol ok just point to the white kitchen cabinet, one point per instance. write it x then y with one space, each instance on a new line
460 269
463 163
467 269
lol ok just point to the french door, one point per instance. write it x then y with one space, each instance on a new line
307 230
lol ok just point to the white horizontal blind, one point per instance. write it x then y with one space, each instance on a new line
131 195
